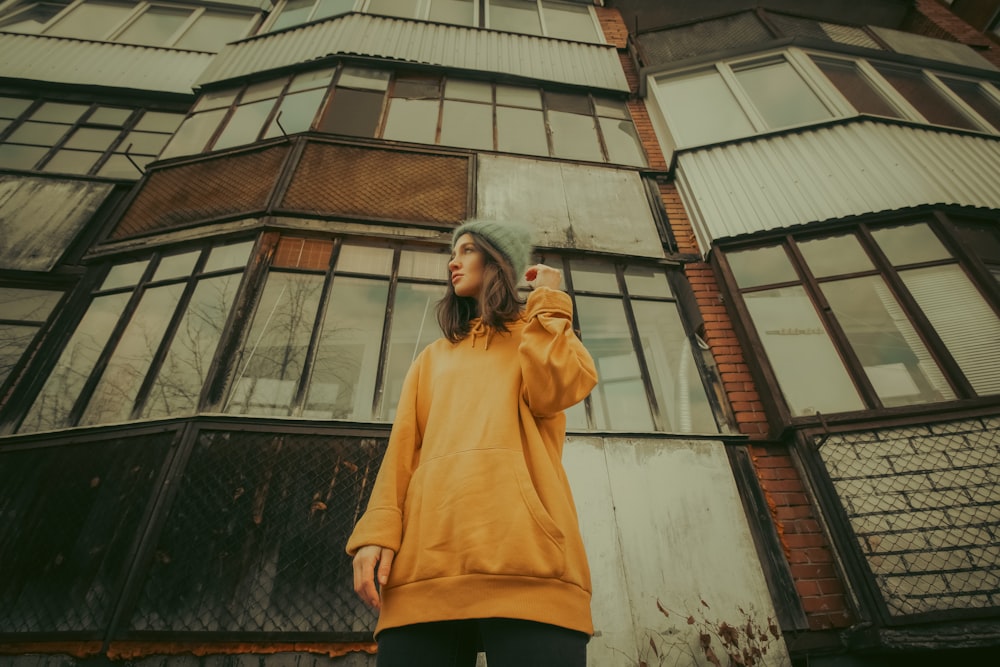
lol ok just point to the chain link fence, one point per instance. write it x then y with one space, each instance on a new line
924 506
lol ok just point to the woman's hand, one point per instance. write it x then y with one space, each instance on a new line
365 560
540 275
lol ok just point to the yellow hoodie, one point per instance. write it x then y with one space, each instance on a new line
471 494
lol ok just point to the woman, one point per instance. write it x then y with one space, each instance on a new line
471 530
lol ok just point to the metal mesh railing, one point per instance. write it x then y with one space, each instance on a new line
69 518
254 541
664 46
794 26
924 505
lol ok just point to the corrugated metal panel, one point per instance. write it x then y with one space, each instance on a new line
60 60
593 65
833 172
40 217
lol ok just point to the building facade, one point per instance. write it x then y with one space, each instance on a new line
225 226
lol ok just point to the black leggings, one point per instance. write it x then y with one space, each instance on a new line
507 643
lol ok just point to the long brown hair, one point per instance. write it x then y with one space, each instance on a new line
498 302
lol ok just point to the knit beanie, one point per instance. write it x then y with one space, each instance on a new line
512 239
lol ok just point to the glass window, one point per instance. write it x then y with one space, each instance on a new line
293 12
521 131
835 256
976 96
245 124
155 26
910 244
22 313
924 96
514 16
71 162
622 141
13 156
353 112
519 96
761 266
213 29
414 327
780 94
407 9
568 21
459 12
412 120
33 17
12 107
574 136
467 124
701 109
194 133
856 87
94 19
296 113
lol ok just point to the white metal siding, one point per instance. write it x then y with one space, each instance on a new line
833 172
593 65
59 60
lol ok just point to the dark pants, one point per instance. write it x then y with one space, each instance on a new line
507 643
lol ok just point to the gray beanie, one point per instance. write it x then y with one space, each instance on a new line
512 239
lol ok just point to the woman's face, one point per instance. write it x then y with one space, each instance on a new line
466 267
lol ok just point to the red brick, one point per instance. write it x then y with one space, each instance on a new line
807 588
805 570
831 587
784 485
803 527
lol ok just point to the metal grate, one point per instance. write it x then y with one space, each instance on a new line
205 190
730 32
376 183
254 541
924 504
69 516
794 26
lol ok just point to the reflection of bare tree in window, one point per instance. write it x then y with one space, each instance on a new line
274 353
115 394
22 311
53 404
186 364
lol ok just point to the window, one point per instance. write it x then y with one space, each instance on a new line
421 108
549 18
146 342
149 24
331 334
740 98
23 311
81 138
887 316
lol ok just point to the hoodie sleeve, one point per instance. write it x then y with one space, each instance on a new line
382 522
558 371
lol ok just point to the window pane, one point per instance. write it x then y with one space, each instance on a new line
176 266
293 13
155 26
142 143
674 375
964 321
574 137
780 94
91 20
910 244
700 109
519 96
309 80
353 112
622 142
364 78
186 365
414 327
567 102
244 125
109 116
14 339
13 156
274 351
343 380
566 21
412 120
459 12
611 108
327 8
31 20
118 166
215 99
895 359
229 256
800 351
925 97
521 131
515 16
475 91
593 276
296 113
28 305
89 138
365 259
402 8
266 90
40 134
194 133
619 401
115 394
212 30
467 124
123 275
646 281
856 87
12 107
71 162
431 265
57 112
761 266
834 256
972 93
301 253
52 406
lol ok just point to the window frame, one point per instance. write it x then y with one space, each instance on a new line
962 255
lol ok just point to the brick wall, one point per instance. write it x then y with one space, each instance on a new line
932 19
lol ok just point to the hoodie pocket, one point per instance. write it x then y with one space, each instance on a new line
476 512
